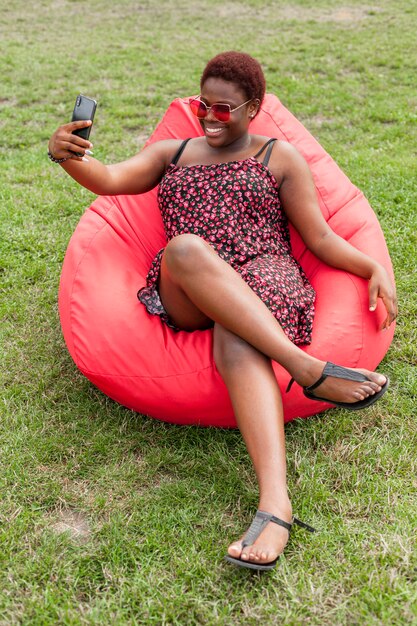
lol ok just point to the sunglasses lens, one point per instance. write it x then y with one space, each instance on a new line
221 112
198 108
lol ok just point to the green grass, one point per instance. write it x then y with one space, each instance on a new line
150 507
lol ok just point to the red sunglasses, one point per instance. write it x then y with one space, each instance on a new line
219 110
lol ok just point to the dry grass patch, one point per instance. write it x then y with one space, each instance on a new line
74 523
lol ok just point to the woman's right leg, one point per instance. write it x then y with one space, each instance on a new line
257 405
197 288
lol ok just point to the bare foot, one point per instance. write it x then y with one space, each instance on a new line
270 543
341 390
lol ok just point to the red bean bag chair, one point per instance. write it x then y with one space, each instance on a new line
141 363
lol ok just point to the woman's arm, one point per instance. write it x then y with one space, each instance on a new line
299 201
136 175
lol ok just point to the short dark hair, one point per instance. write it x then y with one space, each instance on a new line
239 68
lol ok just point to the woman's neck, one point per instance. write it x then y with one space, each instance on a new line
239 146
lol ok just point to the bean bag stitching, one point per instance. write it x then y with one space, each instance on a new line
71 299
137 376
118 229
362 316
118 207
358 195
105 209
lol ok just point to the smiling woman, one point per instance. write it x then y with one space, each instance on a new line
228 115
227 200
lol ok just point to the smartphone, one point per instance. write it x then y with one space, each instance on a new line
84 109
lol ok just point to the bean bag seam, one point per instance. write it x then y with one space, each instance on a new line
358 195
116 206
71 299
136 376
355 285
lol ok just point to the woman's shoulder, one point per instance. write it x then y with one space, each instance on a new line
285 150
279 148
164 146
163 150
276 151
287 161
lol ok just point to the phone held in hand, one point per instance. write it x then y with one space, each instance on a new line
84 109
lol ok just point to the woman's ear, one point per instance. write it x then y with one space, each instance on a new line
254 107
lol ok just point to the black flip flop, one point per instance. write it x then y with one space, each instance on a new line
337 371
260 520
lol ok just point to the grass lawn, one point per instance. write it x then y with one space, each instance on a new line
109 517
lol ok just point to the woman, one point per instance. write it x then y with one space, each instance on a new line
226 199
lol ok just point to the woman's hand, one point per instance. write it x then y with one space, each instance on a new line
63 144
381 286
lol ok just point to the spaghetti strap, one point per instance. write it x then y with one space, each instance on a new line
267 143
179 151
268 152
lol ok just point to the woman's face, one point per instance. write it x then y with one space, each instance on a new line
222 134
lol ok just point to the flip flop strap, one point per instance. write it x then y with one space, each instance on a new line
311 529
337 371
290 384
261 520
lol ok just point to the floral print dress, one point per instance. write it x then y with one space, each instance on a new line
235 207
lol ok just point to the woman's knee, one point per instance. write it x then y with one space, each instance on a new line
185 252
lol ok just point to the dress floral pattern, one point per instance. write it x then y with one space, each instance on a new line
235 207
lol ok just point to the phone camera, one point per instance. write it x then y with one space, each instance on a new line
78 101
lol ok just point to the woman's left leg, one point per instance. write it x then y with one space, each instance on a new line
257 405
